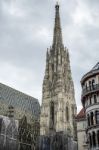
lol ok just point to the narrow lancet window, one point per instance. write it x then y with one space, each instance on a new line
67 113
52 112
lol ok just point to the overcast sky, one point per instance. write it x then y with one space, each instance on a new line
26 30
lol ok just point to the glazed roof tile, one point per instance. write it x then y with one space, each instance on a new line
18 99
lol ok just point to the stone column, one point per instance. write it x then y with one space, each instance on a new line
94 118
92 139
96 139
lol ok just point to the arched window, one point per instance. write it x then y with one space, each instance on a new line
94 139
90 100
91 117
95 99
93 83
88 119
52 112
86 86
89 85
90 140
67 113
97 116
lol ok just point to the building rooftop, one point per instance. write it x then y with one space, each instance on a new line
96 67
92 72
81 114
17 99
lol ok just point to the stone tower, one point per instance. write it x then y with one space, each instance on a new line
58 101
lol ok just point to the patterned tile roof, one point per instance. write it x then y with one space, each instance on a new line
20 100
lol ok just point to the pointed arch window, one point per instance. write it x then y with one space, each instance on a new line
52 111
67 113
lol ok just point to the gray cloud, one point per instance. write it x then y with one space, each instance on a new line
26 30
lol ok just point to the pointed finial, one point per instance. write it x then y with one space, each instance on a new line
47 54
57 4
57 37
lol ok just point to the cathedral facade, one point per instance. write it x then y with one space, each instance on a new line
58 109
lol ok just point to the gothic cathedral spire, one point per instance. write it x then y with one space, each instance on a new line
58 99
57 37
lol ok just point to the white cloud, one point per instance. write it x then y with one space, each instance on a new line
11 8
82 14
26 30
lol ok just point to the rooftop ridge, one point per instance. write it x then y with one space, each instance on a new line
18 91
96 67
